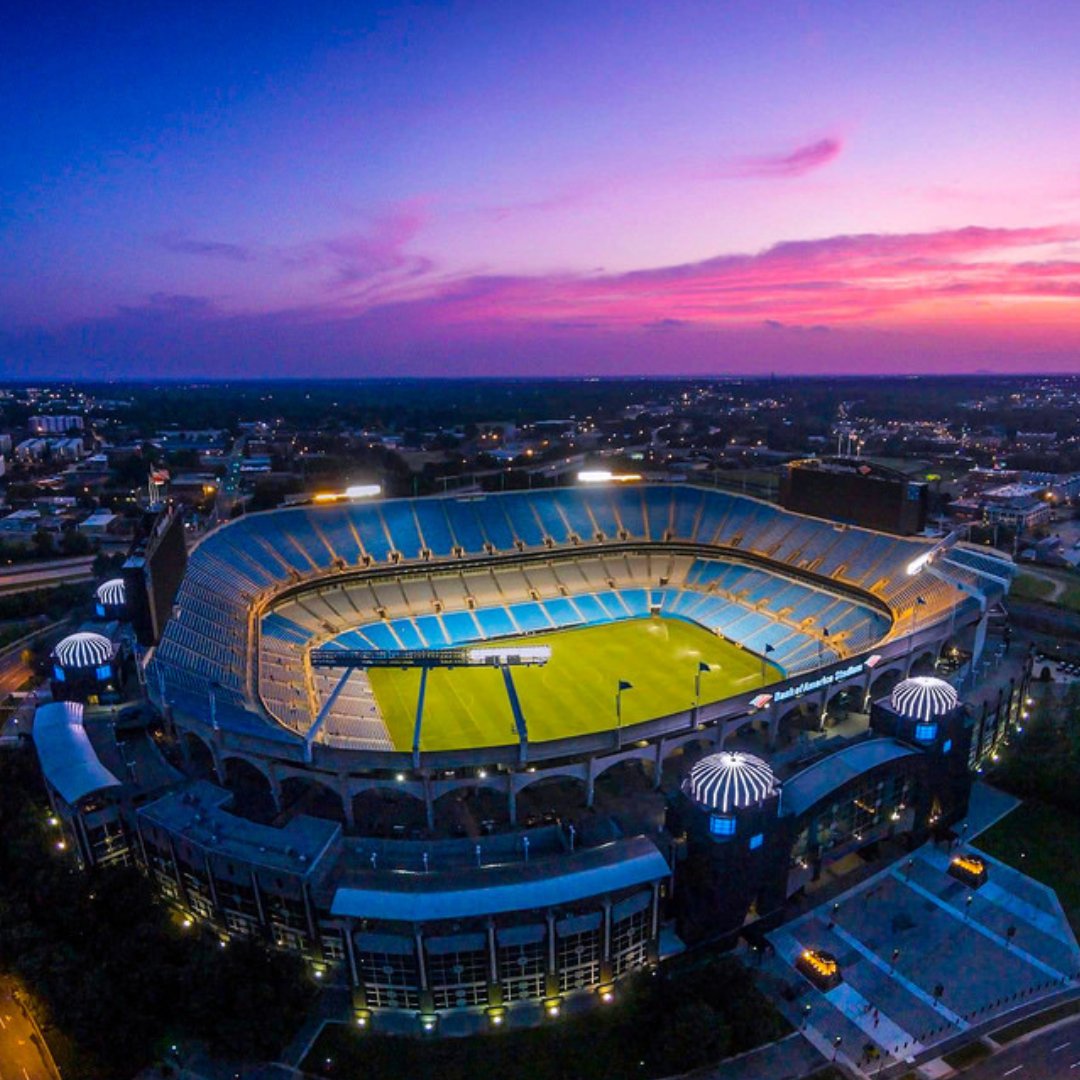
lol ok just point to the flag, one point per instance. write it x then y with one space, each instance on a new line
920 601
623 685
769 649
702 666
824 631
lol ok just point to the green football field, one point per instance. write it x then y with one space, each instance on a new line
574 693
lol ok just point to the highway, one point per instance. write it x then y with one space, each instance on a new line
1050 1055
22 1057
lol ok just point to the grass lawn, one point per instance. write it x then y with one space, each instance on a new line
574 693
1036 1021
967 1056
1029 587
1048 838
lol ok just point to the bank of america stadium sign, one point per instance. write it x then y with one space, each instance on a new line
828 679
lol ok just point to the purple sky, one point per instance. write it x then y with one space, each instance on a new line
540 188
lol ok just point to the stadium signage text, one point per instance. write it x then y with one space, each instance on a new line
816 684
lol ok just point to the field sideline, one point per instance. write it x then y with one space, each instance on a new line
574 693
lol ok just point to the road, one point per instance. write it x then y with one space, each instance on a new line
21 1055
1051 1055
41 575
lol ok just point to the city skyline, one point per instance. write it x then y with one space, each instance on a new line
432 191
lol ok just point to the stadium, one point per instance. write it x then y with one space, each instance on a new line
397 720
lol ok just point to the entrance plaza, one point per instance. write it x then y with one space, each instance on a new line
923 957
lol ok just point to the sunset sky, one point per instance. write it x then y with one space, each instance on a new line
520 188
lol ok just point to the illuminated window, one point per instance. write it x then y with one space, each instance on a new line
100 609
721 825
946 746
104 673
756 841
925 732
58 673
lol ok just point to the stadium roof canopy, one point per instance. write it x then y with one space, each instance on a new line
67 759
730 780
923 697
111 591
83 649
589 872
810 786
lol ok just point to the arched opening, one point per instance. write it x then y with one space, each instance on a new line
472 811
300 795
678 762
554 798
200 762
798 723
923 664
883 685
252 795
627 789
845 710
389 812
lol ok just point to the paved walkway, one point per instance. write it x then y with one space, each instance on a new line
920 963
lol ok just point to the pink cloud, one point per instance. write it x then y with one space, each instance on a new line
867 277
797 162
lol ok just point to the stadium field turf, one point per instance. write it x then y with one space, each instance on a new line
574 693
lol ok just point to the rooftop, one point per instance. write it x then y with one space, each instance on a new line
197 813
403 896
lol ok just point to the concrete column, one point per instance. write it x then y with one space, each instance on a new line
275 788
219 765
658 764
429 803
511 799
552 979
342 787
605 954
590 783
257 891
350 952
654 924
980 640
773 721
494 986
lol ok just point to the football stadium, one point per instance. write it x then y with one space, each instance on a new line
453 748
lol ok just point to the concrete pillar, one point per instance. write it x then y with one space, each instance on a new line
772 719
511 799
605 954
980 640
494 986
552 979
658 764
346 803
275 788
429 803
590 783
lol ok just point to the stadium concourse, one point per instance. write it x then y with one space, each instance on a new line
449 836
